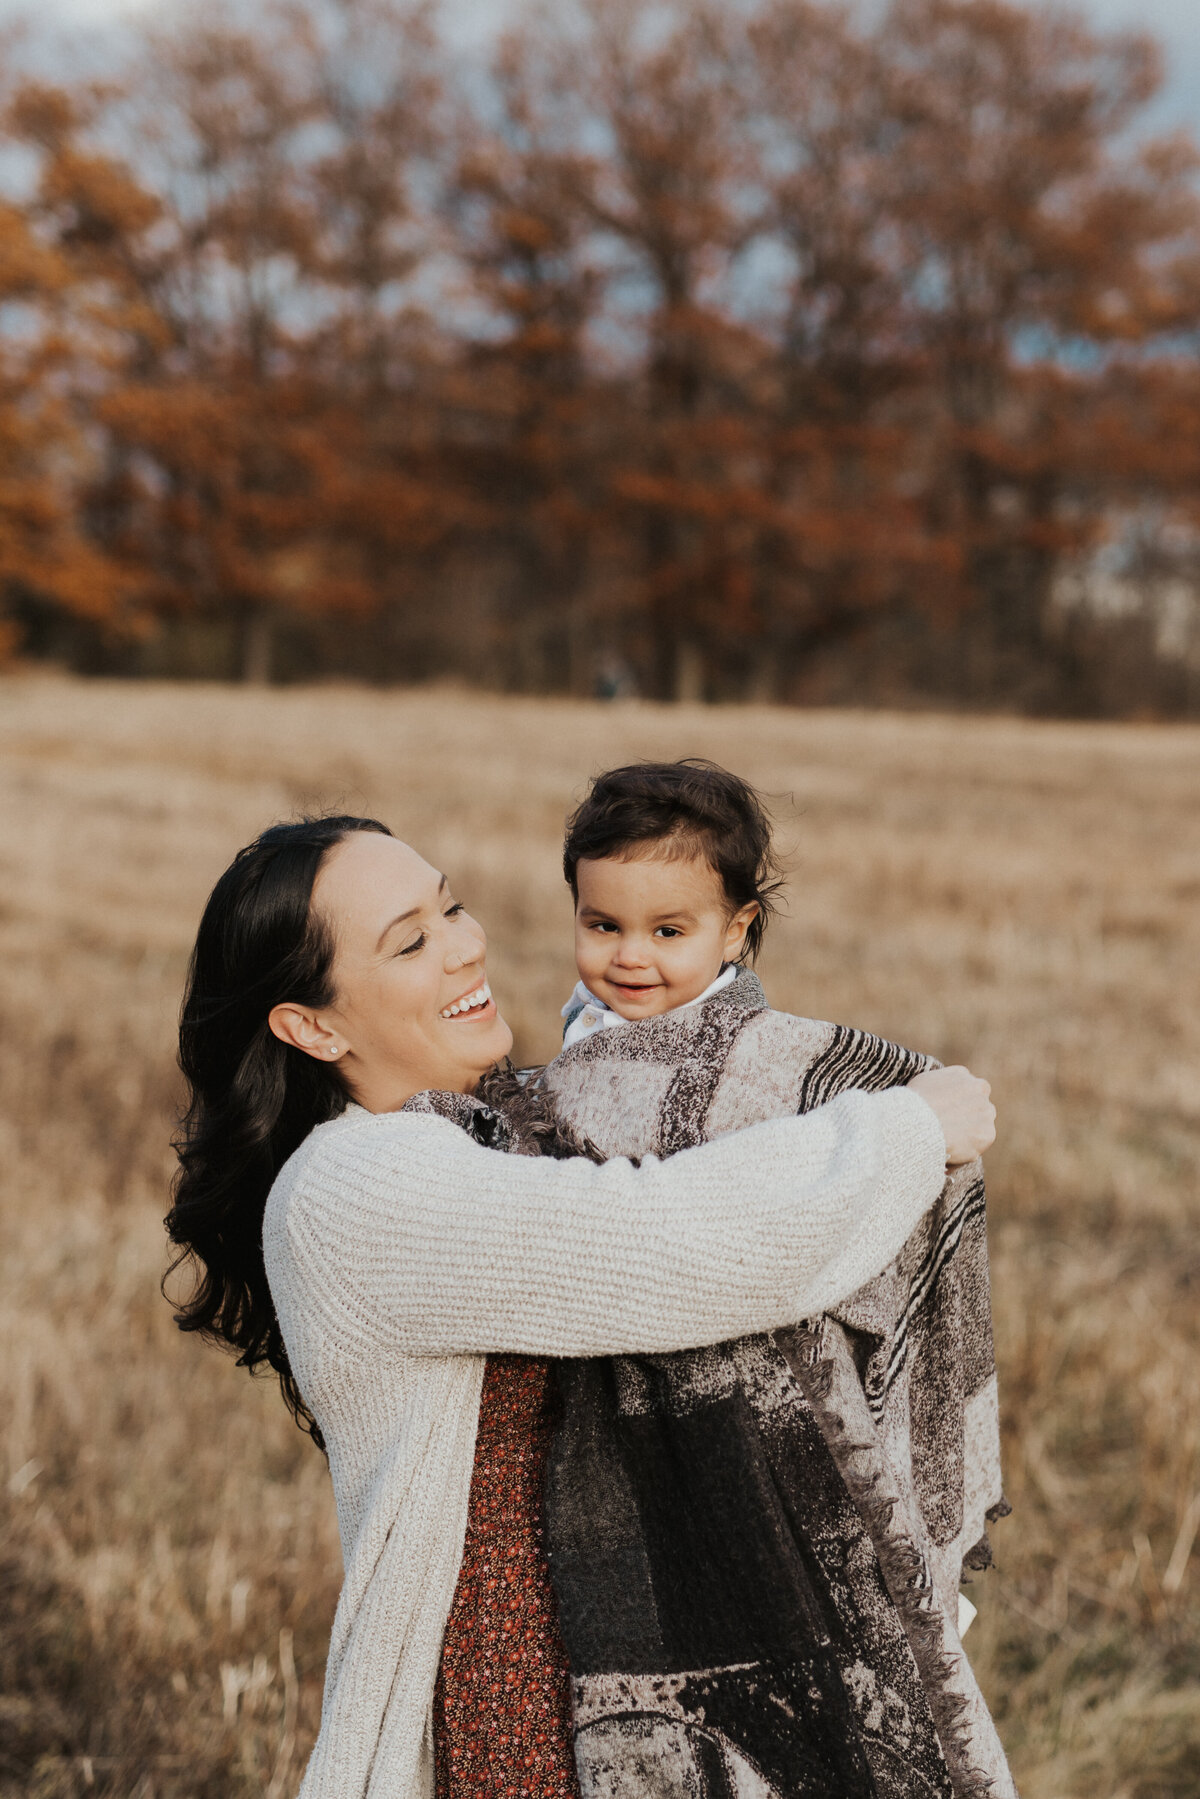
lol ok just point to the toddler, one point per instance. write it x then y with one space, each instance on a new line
757 1547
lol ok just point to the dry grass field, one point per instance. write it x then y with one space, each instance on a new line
1025 897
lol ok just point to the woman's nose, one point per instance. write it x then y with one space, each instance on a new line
467 944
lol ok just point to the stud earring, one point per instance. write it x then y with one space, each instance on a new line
333 1052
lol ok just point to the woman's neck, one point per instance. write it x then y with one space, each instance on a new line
390 1093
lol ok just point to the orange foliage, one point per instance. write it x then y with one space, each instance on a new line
44 551
705 336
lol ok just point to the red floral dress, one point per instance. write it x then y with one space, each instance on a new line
502 1706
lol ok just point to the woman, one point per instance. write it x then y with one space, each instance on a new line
375 1258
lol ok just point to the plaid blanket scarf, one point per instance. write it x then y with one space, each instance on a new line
757 1547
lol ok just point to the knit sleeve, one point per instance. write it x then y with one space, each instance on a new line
412 1239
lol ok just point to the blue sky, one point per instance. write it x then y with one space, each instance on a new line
1175 22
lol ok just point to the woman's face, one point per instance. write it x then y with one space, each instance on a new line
412 1007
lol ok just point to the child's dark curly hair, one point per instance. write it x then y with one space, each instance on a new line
687 808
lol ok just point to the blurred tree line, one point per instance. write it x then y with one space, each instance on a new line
761 350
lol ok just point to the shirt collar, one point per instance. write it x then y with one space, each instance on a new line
593 1015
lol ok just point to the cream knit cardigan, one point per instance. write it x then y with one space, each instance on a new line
400 1253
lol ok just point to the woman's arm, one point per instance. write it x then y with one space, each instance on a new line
410 1238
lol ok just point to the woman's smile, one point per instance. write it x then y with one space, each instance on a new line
476 1004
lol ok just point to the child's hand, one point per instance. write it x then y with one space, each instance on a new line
964 1111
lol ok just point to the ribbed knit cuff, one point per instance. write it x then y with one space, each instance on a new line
925 1127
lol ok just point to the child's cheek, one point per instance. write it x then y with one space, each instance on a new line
590 957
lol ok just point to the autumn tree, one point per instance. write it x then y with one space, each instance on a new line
674 195
531 417
218 421
748 342
60 317
1037 247
263 485
850 538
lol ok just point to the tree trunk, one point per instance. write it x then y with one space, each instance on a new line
689 672
258 645
762 683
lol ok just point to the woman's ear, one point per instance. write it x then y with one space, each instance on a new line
302 1029
735 933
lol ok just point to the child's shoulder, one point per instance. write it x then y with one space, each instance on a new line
782 1063
769 1033
764 1072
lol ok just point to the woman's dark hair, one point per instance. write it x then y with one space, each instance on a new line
252 1100
689 808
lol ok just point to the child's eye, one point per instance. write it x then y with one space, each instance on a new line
603 924
668 930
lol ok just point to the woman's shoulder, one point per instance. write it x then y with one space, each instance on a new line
358 1150
348 1220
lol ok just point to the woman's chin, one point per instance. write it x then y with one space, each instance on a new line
502 1038
491 1040
471 1046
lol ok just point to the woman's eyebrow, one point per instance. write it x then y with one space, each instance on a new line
411 913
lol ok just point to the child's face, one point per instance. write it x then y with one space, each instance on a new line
652 933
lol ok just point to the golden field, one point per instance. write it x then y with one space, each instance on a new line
1024 897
